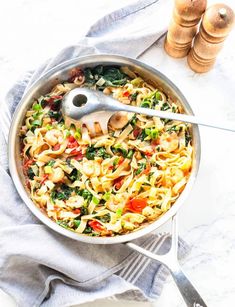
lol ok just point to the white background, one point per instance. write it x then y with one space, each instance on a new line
32 31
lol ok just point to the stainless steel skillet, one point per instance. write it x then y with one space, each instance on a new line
44 85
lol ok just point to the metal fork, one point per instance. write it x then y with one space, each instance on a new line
91 106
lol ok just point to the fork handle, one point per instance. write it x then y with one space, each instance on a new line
179 117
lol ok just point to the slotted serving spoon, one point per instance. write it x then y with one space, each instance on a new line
90 106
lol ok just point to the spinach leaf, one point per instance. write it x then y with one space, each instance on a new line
66 190
98 70
89 78
30 173
134 96
63 224
92 152
62 194
111 75
188 138
165 106
56 115
142 135
141 168
118 148
84 193
104 218
74 175
84 210
88 229
101 152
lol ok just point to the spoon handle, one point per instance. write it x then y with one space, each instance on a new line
179 117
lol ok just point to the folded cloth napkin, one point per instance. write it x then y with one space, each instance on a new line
39 267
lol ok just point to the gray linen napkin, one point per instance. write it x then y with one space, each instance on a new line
39 267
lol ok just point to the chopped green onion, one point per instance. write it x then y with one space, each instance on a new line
51 163
67 133
115 162
152 133
78 134
95 200
119 212
106 196
36 115
35 170
158 96
137 81
133 121
36 122
37 107
48 169
77 223
130 154
49 127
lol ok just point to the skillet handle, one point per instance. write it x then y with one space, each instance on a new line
190 295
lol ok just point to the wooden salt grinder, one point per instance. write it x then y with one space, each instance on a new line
216 24
183 26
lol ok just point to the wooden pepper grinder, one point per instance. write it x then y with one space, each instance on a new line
216 24
183 26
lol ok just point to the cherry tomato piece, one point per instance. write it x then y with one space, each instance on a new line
136 205
77 155
118 182
136 132
77 211
72 142
126 94
56 147
44 178
96 226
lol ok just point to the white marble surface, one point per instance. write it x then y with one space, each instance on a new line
207 220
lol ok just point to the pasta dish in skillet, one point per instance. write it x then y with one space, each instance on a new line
105 184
